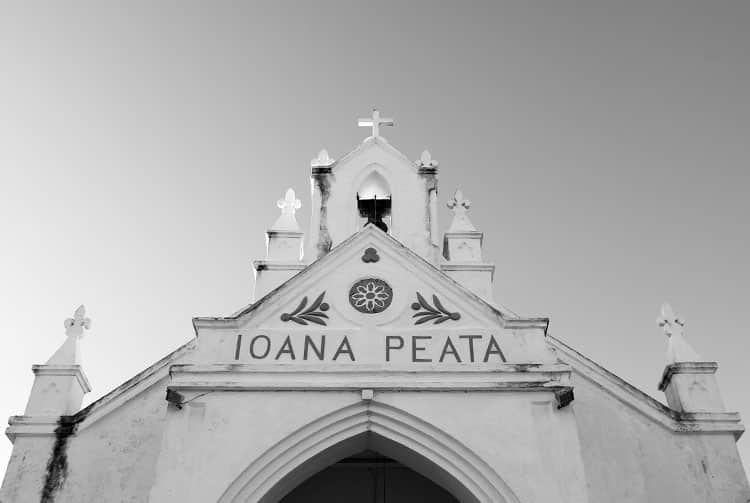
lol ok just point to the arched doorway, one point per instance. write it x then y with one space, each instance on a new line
369 427
368 477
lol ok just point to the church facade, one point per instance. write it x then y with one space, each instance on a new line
374 365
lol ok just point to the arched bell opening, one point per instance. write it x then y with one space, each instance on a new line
366 428
374 202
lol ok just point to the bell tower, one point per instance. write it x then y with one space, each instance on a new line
377 185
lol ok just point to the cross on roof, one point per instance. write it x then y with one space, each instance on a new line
375 122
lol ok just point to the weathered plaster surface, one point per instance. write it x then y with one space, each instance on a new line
336 218
113 459
630 458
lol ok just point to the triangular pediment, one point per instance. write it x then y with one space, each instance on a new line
386 301
374 149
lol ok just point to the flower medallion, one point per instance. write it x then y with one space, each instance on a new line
370 295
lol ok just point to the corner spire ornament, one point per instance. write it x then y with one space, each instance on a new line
678 349
375 122
288 206
75 326
323 160
426 161
68 353
460 207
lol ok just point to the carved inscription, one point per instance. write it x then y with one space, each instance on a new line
363 348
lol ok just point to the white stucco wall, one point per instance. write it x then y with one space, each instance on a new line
596 449
629 458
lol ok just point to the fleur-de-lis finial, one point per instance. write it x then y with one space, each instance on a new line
322 160
669 321
426 161
678 349
460 207
288 205
75 326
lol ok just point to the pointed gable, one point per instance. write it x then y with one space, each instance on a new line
374 170
379 295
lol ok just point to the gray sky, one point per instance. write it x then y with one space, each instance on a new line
604 148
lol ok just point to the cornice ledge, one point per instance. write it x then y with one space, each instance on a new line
64 370
629 395
284 234
310 377
31 426
526 323
467 266
686 368
710 422
273 265
463 234
214 322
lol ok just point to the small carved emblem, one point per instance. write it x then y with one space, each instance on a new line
314 314
371 296
371 255
426 312
75 326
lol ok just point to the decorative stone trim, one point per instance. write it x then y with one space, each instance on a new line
271 233
469 267
64 370
437 314
313 314
31 426
268 265
629 395
333 435
371 295
686 368
370 256
345 377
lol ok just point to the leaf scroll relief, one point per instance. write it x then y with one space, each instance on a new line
313 314
426 312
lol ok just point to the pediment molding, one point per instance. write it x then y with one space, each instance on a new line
349 252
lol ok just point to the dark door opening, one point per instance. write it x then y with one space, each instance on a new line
368 477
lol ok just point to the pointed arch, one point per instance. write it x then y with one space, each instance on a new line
374 184
376 426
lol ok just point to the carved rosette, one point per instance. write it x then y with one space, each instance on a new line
370 295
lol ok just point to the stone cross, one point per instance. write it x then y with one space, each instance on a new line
460 207
678 349
375 122
288 205
75 326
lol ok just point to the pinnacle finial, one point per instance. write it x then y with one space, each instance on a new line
68 353
288 205
323 159
75 326
426 160
678 349
460 207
